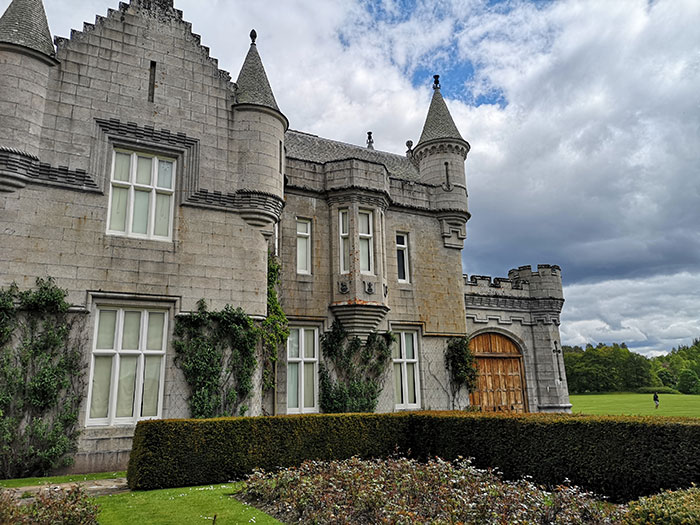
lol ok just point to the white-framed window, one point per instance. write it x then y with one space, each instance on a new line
366 234
406 376
402 257
344 231
142 195
127 365
304 246
302 370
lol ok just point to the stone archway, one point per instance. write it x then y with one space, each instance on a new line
501 382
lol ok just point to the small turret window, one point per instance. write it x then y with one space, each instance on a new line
304 246
402 257
141 196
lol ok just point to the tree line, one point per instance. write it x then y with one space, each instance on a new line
615 368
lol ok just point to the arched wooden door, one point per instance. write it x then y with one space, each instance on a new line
501 383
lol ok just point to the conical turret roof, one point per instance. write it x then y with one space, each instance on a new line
253 86
24 24
438 123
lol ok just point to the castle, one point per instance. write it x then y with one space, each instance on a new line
140 177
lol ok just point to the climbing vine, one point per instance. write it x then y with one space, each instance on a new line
461 365
274 330
41 380
352 374
216 353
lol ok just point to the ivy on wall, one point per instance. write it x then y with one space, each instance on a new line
41 380
216 353
352 374
274 330
461 365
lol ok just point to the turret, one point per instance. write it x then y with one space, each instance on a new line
543 283
440 153
26 54
258 129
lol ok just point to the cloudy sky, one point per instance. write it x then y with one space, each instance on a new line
583 117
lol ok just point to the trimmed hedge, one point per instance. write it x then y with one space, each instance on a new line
175 453
620 457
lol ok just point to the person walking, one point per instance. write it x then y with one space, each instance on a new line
656 399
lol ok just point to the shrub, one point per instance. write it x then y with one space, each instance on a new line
65 507
668 508
621 457
657 389
400 490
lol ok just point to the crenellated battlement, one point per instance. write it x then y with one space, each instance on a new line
521 282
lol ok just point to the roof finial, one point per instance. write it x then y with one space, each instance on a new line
370 140
253 36
436 82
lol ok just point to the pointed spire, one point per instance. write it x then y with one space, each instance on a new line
253 86
438 123
24 24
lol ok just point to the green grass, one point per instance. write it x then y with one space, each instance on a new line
181 506
53 480
629 404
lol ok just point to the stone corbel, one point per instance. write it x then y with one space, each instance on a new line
454 231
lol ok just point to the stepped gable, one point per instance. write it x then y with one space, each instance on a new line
438 124
312 148
253 87
161 10
24 24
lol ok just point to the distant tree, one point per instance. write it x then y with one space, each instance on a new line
666 377
688 382
636 372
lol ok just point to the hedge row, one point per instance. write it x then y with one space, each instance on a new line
620 457
175 453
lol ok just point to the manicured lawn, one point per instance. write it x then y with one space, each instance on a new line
181 506
53 480
628 404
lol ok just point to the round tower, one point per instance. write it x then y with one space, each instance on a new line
258 129
441 152
26 56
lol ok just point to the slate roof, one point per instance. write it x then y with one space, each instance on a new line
24 24
312 148
253 86
439 123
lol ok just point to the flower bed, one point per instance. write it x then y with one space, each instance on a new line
400 490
